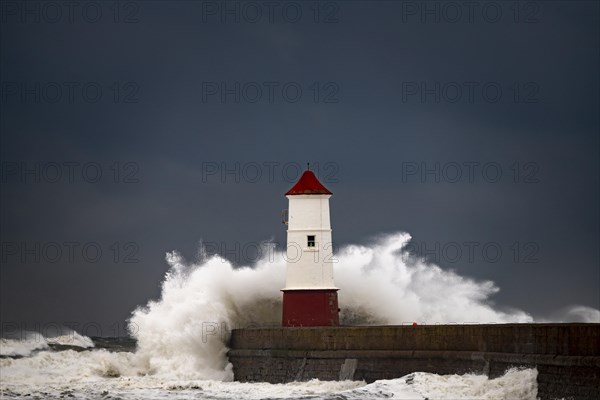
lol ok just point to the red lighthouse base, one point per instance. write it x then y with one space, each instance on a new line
317 307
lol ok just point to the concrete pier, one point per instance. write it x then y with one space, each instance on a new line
567 356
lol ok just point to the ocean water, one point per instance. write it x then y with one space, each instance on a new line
69 368
178 343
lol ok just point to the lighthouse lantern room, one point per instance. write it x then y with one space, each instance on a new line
309 296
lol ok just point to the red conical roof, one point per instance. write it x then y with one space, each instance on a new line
308 184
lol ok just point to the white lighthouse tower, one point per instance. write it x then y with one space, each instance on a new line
309 296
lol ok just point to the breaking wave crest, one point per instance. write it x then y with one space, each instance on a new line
29 342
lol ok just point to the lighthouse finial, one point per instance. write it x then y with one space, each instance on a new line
308 166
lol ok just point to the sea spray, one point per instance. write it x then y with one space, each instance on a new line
25 343
573 313
516 383
182 336
185 332
383 284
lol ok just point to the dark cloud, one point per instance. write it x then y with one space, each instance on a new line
383 91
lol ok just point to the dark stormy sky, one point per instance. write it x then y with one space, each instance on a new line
136 128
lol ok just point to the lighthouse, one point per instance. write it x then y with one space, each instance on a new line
309 296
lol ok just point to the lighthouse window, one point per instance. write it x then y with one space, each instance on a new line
310 241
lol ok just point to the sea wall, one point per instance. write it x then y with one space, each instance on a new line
567 356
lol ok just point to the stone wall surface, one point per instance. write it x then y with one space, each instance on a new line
567 356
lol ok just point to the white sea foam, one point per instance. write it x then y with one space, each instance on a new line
574 313
99 373
184 333
411 290
182 336
514 384
72 339
28 342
